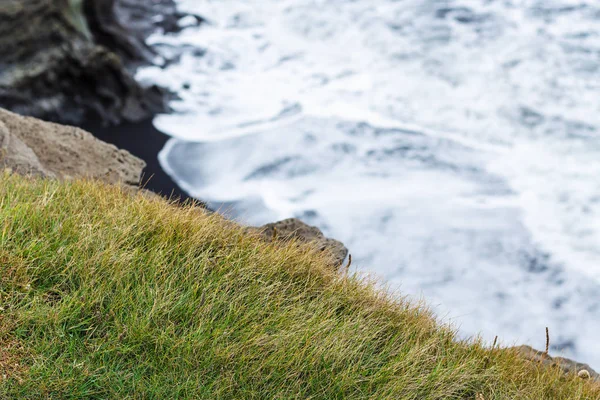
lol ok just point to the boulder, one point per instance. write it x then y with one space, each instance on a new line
566 365
31 146
294 229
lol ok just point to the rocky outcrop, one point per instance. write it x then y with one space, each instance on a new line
31 146
568 366
71 61
294 229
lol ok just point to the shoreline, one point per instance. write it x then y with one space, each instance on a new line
142 140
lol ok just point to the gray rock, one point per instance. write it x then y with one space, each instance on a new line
31 146
17 156
293 228
566 365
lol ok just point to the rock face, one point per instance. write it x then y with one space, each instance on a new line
566 365
289 229
71 61
31 146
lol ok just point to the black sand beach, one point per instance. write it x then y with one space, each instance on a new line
143 140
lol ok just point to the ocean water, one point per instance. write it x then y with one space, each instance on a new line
453 146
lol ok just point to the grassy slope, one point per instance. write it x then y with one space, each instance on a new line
105 295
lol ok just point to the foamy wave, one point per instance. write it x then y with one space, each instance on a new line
453 146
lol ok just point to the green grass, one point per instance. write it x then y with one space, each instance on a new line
111 296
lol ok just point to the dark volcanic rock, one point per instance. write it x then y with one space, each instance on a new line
31 146
71 60
566 365
134 15
293 228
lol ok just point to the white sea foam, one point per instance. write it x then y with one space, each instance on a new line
454 146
